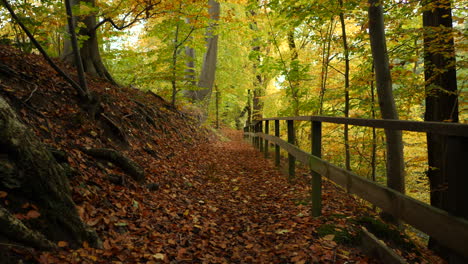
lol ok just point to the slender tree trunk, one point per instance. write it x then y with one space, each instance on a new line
76 50
190 64
257 113
441 105
249 109
395 163
374 134
217 106
346 92
294 72
258 90
325 63
174 65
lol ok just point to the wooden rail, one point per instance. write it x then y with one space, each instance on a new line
448 229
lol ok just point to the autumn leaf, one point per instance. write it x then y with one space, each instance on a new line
3 194
32 214
159 256
62 244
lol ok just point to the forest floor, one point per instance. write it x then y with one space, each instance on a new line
225 203
206 198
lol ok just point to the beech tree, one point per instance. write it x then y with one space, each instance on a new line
90 53
442 106
395 163
208 70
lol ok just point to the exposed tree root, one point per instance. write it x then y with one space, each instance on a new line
15 230
127 165
35 175
143 110
118 131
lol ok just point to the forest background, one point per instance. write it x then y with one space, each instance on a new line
274 58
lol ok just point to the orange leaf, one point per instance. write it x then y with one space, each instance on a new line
32 214
107 245
3 194
62 244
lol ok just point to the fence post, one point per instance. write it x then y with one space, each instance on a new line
316 148
256 137
246 129
260 130
277 147
291 158
267 130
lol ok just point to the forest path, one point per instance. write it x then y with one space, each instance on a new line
244 210
217 201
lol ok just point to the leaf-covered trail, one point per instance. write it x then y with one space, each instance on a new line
217 202
240 208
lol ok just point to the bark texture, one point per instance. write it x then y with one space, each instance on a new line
441 92
31 172
15 230
207 75
395 162
445 155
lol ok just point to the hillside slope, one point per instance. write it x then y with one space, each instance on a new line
140 126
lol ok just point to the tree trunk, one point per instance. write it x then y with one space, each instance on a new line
75 48
325 63
294 72
34 174
442 106
346 92
174 65
217 106
207 75
190 67
90 54
395 162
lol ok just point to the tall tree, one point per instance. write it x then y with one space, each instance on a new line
293 75
442 106
326 46
395 162
346 76
190 63
208 71
255 55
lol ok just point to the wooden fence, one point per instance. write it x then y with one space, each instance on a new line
450 230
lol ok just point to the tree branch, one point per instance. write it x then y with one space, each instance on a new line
137 17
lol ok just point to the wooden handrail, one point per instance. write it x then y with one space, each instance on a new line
449 230
443 128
